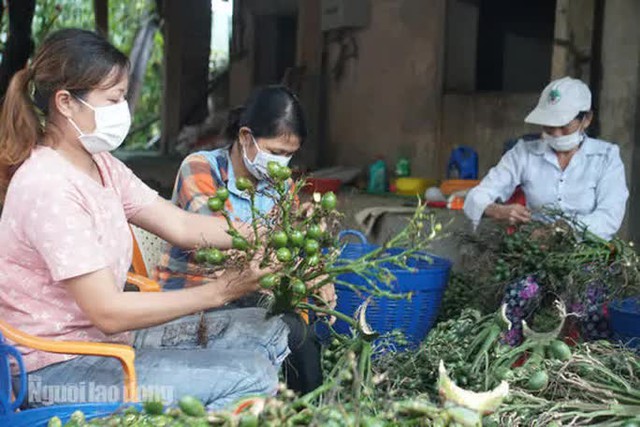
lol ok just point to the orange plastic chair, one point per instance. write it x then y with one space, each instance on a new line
124 353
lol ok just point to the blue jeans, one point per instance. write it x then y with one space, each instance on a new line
303 367
242 357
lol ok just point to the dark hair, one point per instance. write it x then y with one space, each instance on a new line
269 112
581 115
76 60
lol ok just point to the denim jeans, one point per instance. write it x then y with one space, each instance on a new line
303 368
242 357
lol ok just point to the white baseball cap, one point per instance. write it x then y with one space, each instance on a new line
560 102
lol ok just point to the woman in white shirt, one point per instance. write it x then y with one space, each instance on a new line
564 169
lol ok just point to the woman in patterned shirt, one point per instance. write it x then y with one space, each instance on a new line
270 127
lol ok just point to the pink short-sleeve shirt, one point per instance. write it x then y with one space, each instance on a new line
57 223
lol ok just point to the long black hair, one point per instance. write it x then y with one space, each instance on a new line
269 112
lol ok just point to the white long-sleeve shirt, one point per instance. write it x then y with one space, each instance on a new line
592 188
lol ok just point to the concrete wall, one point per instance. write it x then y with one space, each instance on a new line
484 121
461 44
389 99
619 112
574 39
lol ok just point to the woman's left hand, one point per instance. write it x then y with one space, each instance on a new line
326 297
327 294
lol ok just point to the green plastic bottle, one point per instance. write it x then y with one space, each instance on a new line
377 177
403 167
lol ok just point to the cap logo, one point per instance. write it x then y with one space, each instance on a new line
554 96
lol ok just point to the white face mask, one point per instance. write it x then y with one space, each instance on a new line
258 167
564 142
112 126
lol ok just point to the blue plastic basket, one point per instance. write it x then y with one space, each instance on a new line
414 317
624 318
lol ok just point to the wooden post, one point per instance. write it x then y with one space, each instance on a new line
187 37
101 16
310 45
619 101
172 64
196 40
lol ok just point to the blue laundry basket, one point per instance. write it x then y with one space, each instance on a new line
413 318
624 319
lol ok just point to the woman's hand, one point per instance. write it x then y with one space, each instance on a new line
113 311
327 294
513 214
231 285
326 297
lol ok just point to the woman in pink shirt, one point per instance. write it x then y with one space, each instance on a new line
66 246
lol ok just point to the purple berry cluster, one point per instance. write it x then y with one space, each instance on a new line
520 298
594 319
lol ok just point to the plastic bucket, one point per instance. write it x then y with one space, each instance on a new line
624 318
